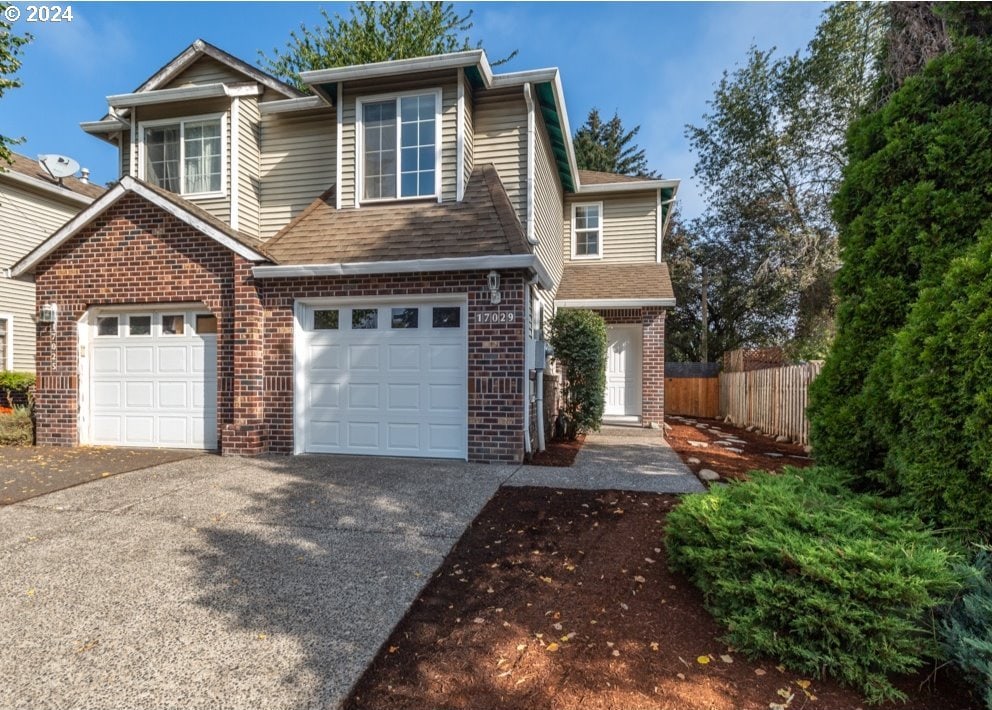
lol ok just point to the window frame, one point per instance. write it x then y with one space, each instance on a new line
360 146
602 231
7 354
181 121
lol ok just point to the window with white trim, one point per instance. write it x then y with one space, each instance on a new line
185 156
587 230
6 342
400 139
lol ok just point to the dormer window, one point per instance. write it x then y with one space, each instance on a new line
184 156
399 145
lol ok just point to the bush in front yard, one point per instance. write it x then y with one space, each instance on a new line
15 388
966 629
829 582
16 428
579 341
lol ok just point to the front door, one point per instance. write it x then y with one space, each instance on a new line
623 371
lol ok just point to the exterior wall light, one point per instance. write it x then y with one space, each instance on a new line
495 297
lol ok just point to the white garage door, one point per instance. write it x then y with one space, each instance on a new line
153 379
384 380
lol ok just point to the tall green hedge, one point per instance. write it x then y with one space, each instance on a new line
914 194
941 388
579 341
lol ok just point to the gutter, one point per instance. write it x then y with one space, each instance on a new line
407 266
629 186
454 60
614 302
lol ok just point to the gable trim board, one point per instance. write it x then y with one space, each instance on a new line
438 62
102 204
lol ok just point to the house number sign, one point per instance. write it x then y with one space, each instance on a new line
495 317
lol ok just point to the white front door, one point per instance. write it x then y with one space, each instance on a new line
153 379
383 379
623 370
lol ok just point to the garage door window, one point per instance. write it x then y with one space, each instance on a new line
173 325
406 317
206 325
106 326
447 317
139 325
326 320
365 318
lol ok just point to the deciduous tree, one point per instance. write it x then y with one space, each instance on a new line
11 47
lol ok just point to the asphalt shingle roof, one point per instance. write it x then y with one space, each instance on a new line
29 167
608 281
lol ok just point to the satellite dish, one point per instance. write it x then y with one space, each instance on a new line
58 166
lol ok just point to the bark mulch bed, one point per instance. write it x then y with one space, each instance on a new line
563 600
558 452
759 452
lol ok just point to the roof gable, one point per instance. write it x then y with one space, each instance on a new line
192 215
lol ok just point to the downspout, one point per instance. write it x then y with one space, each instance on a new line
526 388
539 386
529 98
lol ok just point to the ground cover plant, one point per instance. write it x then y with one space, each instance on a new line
831 583
966 630
16 427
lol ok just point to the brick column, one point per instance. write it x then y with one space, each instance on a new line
244 433
653 366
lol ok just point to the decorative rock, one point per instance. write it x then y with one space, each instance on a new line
736 440
723 442
782 439
772 454
701 426
699 444
750 428
653 425
735 450
709 475
693 461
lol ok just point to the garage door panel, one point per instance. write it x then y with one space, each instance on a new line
446 356
446 398
403 397
139 394
175 395
107 394
363 435
139 429
153 389
403 437
139 360
323 357
446 437
325 394
363 357
405 358
173 359
363 395
107 360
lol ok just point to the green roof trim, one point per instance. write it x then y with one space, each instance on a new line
331 91
559 141
667 193
474 76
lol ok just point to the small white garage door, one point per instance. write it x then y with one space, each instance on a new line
153 379
384 380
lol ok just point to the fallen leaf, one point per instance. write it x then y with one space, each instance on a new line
803 684
784 692
703 660
547 579
680 676
521 646
478 620
616 652
394 649
552 647
639 579
726 659
759 671
654 646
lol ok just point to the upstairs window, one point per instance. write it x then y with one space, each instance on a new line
6 342
587 231
186 156
399 146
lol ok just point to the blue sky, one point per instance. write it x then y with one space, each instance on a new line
655 63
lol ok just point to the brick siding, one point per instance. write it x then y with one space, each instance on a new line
137 254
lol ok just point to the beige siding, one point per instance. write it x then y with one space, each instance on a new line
629 226
124 151
447 82
206 71
220 207
296 164
26 219
248 166
469 145
501 139
548 203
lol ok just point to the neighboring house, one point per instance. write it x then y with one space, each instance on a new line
32 206
362 270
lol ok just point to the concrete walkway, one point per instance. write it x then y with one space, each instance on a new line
629 458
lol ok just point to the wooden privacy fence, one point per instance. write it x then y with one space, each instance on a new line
773 399
692 389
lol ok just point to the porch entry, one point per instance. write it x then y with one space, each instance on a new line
623 371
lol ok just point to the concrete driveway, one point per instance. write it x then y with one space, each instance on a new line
221 582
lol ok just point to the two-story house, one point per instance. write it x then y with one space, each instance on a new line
364 269
33 204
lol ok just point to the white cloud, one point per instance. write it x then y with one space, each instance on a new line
82 47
